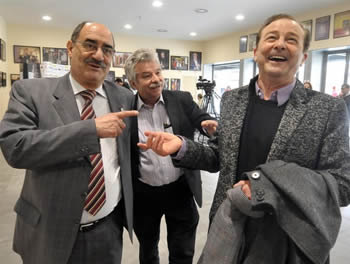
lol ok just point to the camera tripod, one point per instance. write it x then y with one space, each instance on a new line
208 106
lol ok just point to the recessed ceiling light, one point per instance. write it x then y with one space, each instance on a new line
239 17
193 34
201 10
128 26
157 3
46 18
162 30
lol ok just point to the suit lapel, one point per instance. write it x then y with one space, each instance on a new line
171 106
65 103
293 114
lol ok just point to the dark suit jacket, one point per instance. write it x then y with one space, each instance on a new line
313 135
185 116
42 133
347 102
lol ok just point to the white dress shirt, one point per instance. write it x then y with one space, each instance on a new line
109 154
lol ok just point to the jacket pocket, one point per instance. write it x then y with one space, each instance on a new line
27 212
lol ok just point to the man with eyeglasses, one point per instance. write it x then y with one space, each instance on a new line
71 134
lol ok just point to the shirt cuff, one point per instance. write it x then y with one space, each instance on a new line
181 153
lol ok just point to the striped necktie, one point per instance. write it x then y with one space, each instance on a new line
96 196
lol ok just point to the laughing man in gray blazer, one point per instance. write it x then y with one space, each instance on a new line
285 148
44 133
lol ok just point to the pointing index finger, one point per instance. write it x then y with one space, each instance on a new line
124 114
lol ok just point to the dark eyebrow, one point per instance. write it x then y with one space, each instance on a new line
95 42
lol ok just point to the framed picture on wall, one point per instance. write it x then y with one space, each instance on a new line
2 50
322 27
195 61
252 41
4 79
0 79
308 25
179 63
341 24
175 84
14 77
163 56
166 84
243 41
26 54
120 58
55 55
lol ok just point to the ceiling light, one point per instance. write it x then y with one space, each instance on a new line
239 17
128 26
193 34
157 3
201 10
46 18
162 30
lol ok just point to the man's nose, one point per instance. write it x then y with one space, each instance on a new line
98 55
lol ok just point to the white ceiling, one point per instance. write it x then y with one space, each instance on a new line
177 16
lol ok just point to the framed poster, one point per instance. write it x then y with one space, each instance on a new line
166 84
163 56
179 63
120 58
341 24
14 77
243 41
26 54
56 55
0 79
308 25
322 28
252 41
175 84
4 79
195 61
2 50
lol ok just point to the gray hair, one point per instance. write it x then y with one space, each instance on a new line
140 55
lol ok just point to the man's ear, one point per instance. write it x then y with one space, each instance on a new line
304 59
69 48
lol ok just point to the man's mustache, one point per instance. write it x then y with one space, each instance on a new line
94 61
156 84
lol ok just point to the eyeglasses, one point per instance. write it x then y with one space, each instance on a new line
93 47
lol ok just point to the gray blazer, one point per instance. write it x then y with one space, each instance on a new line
313 135
42 133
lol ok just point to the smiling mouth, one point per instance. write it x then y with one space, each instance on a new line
277 58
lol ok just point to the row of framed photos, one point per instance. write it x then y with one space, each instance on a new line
30 54
322 28
193 62
3 78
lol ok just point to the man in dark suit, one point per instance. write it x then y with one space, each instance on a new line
160 188
288 156
77 192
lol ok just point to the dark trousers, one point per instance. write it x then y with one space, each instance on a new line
103 244
175 202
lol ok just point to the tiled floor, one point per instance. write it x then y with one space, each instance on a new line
11 182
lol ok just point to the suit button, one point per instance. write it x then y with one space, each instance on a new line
256 175
259 195
83 195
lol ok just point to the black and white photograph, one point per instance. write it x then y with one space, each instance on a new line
163 56
26 54
2 50
243 42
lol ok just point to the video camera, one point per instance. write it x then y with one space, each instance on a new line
205 85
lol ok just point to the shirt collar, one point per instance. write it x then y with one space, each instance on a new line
77 88
140 102
280 96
